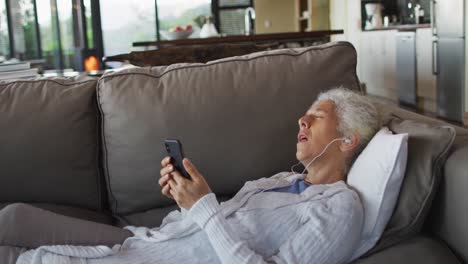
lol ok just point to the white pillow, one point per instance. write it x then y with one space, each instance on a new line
377 175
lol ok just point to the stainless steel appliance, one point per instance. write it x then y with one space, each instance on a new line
406 67
448 51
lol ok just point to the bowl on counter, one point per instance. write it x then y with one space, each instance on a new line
174 35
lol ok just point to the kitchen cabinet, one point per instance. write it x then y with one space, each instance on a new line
379 69
426 81
377 55
378 63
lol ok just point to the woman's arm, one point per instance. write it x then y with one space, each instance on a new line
330 235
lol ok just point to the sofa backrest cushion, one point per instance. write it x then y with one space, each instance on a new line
236 117
49 142
428 148
448 217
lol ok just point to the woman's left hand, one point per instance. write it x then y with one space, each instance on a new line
187 192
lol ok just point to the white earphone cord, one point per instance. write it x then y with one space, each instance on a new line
318 156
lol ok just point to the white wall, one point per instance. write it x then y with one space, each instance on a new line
346 15
273 16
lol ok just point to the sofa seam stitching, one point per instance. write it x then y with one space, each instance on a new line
43 80
105 152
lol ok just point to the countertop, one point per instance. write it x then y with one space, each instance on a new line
407 27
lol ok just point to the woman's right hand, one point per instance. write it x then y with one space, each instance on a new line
166 170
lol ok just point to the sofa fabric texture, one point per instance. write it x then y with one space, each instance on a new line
49 142
9 254
226 113
428 147
449 214
418 249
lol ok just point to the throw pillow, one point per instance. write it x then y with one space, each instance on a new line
376 175
428 147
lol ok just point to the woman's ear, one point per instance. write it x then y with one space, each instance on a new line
350 142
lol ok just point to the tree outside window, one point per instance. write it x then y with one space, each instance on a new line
24 31
4 37
49 34
124 22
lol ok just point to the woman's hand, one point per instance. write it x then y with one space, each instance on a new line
184 191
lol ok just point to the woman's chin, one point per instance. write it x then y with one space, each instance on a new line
299 155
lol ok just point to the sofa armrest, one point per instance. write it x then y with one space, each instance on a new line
449 214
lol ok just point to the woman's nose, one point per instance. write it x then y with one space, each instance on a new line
304 122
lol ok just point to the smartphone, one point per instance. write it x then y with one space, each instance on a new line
174 150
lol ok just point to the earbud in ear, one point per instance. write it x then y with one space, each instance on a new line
347 140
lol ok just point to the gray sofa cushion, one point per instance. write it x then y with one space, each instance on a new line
9 255
447 219
428 147
450 213
49 142
419 249
240 110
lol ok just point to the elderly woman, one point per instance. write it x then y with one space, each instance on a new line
287 218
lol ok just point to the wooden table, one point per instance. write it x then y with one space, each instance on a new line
258 38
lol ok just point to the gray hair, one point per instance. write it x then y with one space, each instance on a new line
356 114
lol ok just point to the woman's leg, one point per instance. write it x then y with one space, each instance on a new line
23 225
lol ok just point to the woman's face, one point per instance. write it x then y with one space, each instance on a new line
317 128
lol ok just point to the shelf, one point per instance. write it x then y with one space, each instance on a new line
401 27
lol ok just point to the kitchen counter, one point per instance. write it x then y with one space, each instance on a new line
407 27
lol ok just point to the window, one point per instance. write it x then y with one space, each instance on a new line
49 34
62 32
89 23
24 29
173 13
124 22
64 11
4 36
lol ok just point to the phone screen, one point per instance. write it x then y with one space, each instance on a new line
174 150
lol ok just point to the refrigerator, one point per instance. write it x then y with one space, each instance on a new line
406 67
448 52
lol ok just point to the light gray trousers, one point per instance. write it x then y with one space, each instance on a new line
26 226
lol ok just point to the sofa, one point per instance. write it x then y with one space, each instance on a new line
91 147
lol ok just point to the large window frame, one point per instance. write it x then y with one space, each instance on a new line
80 27
11 35
216 10
80 38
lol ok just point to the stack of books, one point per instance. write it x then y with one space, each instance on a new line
16 70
